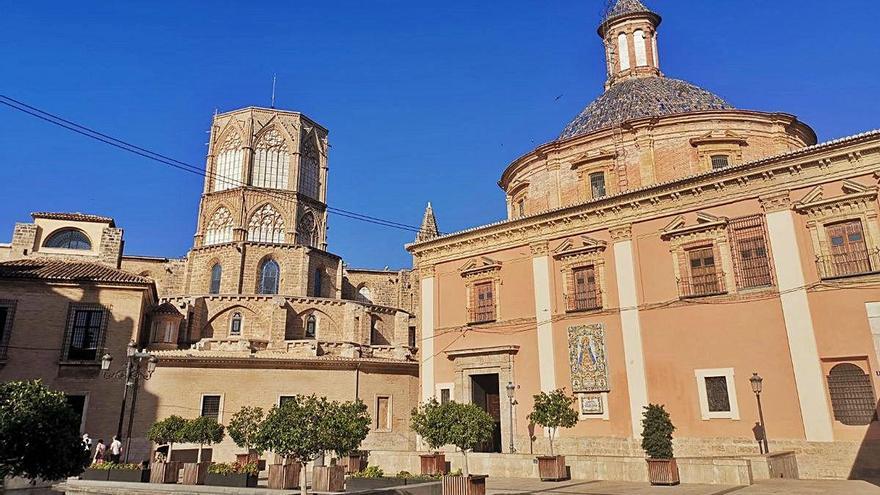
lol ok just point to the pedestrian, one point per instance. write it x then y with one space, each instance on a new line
100 452
115 450
87 442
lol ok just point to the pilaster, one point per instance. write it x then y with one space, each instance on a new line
426 349
544 315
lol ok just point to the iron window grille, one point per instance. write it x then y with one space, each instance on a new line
584 294
720 161
7 313
211 406
483 305
597 184
848 253
703 277
85 333
852 396
751 252
717 395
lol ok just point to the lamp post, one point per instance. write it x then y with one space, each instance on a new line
511 389
757 385
131 375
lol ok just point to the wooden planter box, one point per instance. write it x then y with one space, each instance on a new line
129 475
95 474
284 477
194 473
663 472
474 484
354 463
165 472
243 480
433 464
552 468
328 478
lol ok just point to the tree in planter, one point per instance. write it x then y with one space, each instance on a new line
39 433
657 431
428 422
297 430
347 426
244 426
553 411
203 430
169 430
467 426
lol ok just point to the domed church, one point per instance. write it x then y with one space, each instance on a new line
669 248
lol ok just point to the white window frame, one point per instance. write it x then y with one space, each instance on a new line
729 375
219 409
278 401
390 412
441 386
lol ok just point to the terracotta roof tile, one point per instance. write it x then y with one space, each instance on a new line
74 217
67 271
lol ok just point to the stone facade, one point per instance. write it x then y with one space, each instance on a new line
722 243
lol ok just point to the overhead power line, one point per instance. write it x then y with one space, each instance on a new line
180 165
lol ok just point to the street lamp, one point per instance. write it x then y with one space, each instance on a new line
131 375
758 385
511 389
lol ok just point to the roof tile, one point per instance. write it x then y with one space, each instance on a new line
67 271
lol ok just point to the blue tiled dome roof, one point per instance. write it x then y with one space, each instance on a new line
641 98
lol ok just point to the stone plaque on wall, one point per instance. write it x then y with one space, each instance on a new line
586 356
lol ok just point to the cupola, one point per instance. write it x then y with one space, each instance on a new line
629 31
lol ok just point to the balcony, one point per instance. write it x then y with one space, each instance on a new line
848 265
482 314
702 285
584 301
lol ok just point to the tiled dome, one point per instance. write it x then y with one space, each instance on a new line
640 98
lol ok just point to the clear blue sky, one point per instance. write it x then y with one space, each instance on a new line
424 100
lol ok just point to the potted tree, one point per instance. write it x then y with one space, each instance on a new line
657 431
243 428
294 431
426 421
203 430
167 431
553 411
347 425
467 427
233 474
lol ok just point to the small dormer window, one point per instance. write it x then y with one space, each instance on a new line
68 239
720 161
521 207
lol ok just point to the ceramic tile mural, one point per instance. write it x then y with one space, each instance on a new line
586 356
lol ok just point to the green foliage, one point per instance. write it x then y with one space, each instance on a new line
468 426
369 472
403 474
169 430
657 431
348 426
429 422
39 433
554 411
109 466
203 430
244 425
456 472
234 468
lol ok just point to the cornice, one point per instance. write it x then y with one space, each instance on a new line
839 159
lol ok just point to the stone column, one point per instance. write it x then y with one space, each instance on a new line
543 315
798 321
624 264
426 349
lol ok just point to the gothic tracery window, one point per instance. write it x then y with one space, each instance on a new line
266 225
271 161
306 232
269 275
309 169
216 275
227 172
219 229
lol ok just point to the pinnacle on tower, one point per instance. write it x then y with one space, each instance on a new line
428 229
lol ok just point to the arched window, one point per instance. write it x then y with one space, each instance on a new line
216 276
311 327
305 230
227 172
235 324
623 51
266 225
364 295
309 168
641 49
269 274
271 161
219 228
852 396
68 239
317 283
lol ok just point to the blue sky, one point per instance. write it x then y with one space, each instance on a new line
424 100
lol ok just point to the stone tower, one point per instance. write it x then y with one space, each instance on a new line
428 229
630 34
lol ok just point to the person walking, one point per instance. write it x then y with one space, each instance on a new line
115 450
100 452
87 443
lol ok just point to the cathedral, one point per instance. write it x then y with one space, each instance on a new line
257 311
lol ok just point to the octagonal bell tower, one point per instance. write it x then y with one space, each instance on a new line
629 31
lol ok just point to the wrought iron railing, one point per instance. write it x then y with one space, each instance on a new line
583 301
709 284
482 314
848 264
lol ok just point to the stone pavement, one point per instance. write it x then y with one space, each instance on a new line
515 486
